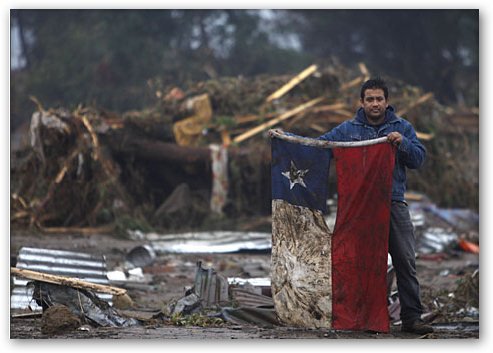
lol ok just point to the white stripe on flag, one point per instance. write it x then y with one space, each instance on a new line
301 266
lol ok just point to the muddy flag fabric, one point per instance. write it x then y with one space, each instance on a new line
322 278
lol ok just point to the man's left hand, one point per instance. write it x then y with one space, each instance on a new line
394 138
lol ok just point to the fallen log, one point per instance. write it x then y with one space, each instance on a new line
155 150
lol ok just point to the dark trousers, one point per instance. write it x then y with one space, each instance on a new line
401 249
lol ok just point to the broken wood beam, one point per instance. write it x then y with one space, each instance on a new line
79 230
318 128
277 120
424 136
351 83
292 83
329 107
414 104
225 138
333 108
412 196
66 281
246 119
364 71
94 137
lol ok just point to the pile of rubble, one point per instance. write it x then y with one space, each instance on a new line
201 155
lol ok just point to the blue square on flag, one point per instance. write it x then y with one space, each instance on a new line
300 174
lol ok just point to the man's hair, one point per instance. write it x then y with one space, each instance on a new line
375 83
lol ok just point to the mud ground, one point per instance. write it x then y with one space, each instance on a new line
171 273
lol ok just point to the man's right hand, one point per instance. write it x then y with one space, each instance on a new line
271 132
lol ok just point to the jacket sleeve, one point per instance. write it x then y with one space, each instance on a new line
336 134
411 151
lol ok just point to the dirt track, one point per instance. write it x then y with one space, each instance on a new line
172 273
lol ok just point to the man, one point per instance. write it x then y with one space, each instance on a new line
375 118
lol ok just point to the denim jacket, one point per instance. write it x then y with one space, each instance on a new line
411 153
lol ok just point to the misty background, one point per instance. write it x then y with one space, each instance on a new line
107 57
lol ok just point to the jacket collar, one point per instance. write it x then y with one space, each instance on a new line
390 116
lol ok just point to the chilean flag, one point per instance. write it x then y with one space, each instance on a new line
322 278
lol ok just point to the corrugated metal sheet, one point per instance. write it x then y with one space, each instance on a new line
211 287
266 317
205 242
246 298
87 267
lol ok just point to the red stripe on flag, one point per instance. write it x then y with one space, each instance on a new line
360 239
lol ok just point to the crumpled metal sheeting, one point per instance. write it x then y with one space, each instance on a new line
187 305
266 317
81 302
210 286
437 229
210 290
435 239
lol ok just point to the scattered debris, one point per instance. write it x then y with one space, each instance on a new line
80 302
204 242
441 230
59 319
115 170
468 246
141 256
264 317
87 267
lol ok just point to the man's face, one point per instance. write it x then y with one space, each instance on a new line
374 105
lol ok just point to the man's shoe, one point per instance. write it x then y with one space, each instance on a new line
418 327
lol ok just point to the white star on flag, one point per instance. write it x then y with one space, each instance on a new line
295 176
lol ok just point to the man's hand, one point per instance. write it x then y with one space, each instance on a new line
272 131
394 138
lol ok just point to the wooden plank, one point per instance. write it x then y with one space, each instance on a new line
94 137
277 120
79 230
329 107
414 104
336 119
424 136
351 83
364 71
246 119
66 281
292 83
26 315
225 137
412 196
318 128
